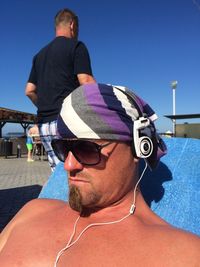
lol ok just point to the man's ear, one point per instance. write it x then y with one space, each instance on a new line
74 29
72 25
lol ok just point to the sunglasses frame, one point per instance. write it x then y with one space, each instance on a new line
73 145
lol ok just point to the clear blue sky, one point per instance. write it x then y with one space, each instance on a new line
142 44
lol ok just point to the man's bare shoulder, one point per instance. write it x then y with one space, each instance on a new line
172 243
32 209
186 245
38 206
178 244
35 207
43 203
180 235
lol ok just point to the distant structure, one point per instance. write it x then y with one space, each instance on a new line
15 116
174 86
166 134
189 130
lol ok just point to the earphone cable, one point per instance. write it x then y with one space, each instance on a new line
70 243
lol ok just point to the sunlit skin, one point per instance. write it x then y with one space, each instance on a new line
105 183
43 227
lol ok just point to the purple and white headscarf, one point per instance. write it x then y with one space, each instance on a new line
100 111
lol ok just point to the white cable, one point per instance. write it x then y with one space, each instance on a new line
70 239
76 240
132 209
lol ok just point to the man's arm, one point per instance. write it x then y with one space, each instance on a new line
85 78
31 92
82 64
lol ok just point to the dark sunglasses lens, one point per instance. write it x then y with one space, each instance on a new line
86 152
61 149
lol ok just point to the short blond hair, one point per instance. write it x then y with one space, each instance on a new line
64 17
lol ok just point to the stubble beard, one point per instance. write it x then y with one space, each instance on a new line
75 199
77 203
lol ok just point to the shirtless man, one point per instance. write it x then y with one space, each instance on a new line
104 132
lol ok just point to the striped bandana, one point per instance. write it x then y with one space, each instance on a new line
100 111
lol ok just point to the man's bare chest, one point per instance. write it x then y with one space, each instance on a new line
40 246
112 245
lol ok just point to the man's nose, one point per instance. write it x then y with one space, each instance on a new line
71 163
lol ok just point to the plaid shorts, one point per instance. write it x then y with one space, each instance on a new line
48 131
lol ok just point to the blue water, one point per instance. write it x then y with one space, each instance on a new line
13 135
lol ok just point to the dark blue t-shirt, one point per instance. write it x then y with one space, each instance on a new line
54 72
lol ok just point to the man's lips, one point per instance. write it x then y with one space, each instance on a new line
73 180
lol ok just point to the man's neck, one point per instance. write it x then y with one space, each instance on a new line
63 32
117 209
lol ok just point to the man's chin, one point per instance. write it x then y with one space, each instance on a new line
83 202
75 199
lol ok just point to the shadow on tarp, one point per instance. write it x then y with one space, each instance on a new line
12 200
151 184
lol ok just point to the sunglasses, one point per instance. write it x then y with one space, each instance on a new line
85 152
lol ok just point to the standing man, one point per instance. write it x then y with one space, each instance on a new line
57 69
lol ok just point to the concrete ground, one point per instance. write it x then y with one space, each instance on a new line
20 182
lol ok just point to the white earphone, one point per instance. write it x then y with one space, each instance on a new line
143 145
